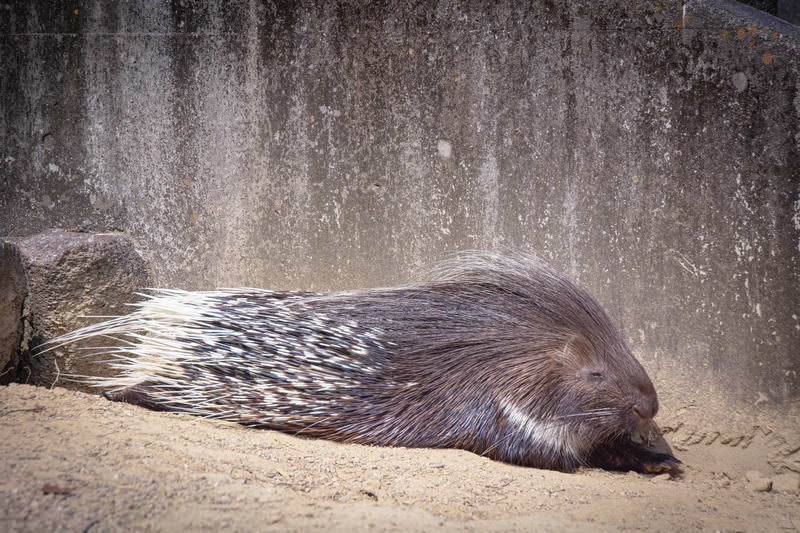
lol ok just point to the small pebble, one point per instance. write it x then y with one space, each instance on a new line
788 482
757 482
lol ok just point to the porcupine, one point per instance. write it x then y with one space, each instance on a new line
499 355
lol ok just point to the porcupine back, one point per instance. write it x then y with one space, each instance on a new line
499 355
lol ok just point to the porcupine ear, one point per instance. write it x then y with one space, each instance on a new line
580 352
576 349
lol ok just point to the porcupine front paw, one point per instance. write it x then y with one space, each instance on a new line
626 455
659 463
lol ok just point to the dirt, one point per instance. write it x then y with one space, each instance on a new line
76 462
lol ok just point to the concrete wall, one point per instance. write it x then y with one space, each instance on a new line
649 149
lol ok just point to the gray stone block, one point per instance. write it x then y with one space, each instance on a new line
72 277
13 289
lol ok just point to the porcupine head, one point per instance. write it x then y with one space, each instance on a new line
513 361
584 396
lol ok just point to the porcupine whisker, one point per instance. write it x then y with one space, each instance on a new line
600 413
591 411
594 418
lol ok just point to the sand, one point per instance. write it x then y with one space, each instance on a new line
76 462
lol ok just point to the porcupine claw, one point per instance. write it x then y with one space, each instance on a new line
661 463
627 455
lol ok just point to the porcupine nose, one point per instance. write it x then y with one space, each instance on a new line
647 407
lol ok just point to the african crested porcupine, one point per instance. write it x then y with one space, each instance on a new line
499 355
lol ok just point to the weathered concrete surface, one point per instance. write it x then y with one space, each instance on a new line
649 150
72 276
789 10
13 289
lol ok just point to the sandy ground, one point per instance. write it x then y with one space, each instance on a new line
76 462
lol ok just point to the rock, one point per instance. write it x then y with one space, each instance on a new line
757 482
13 289
73 276
788 482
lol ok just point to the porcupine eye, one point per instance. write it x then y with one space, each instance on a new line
592 374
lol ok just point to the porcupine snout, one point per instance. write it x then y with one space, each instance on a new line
643 408
646 406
